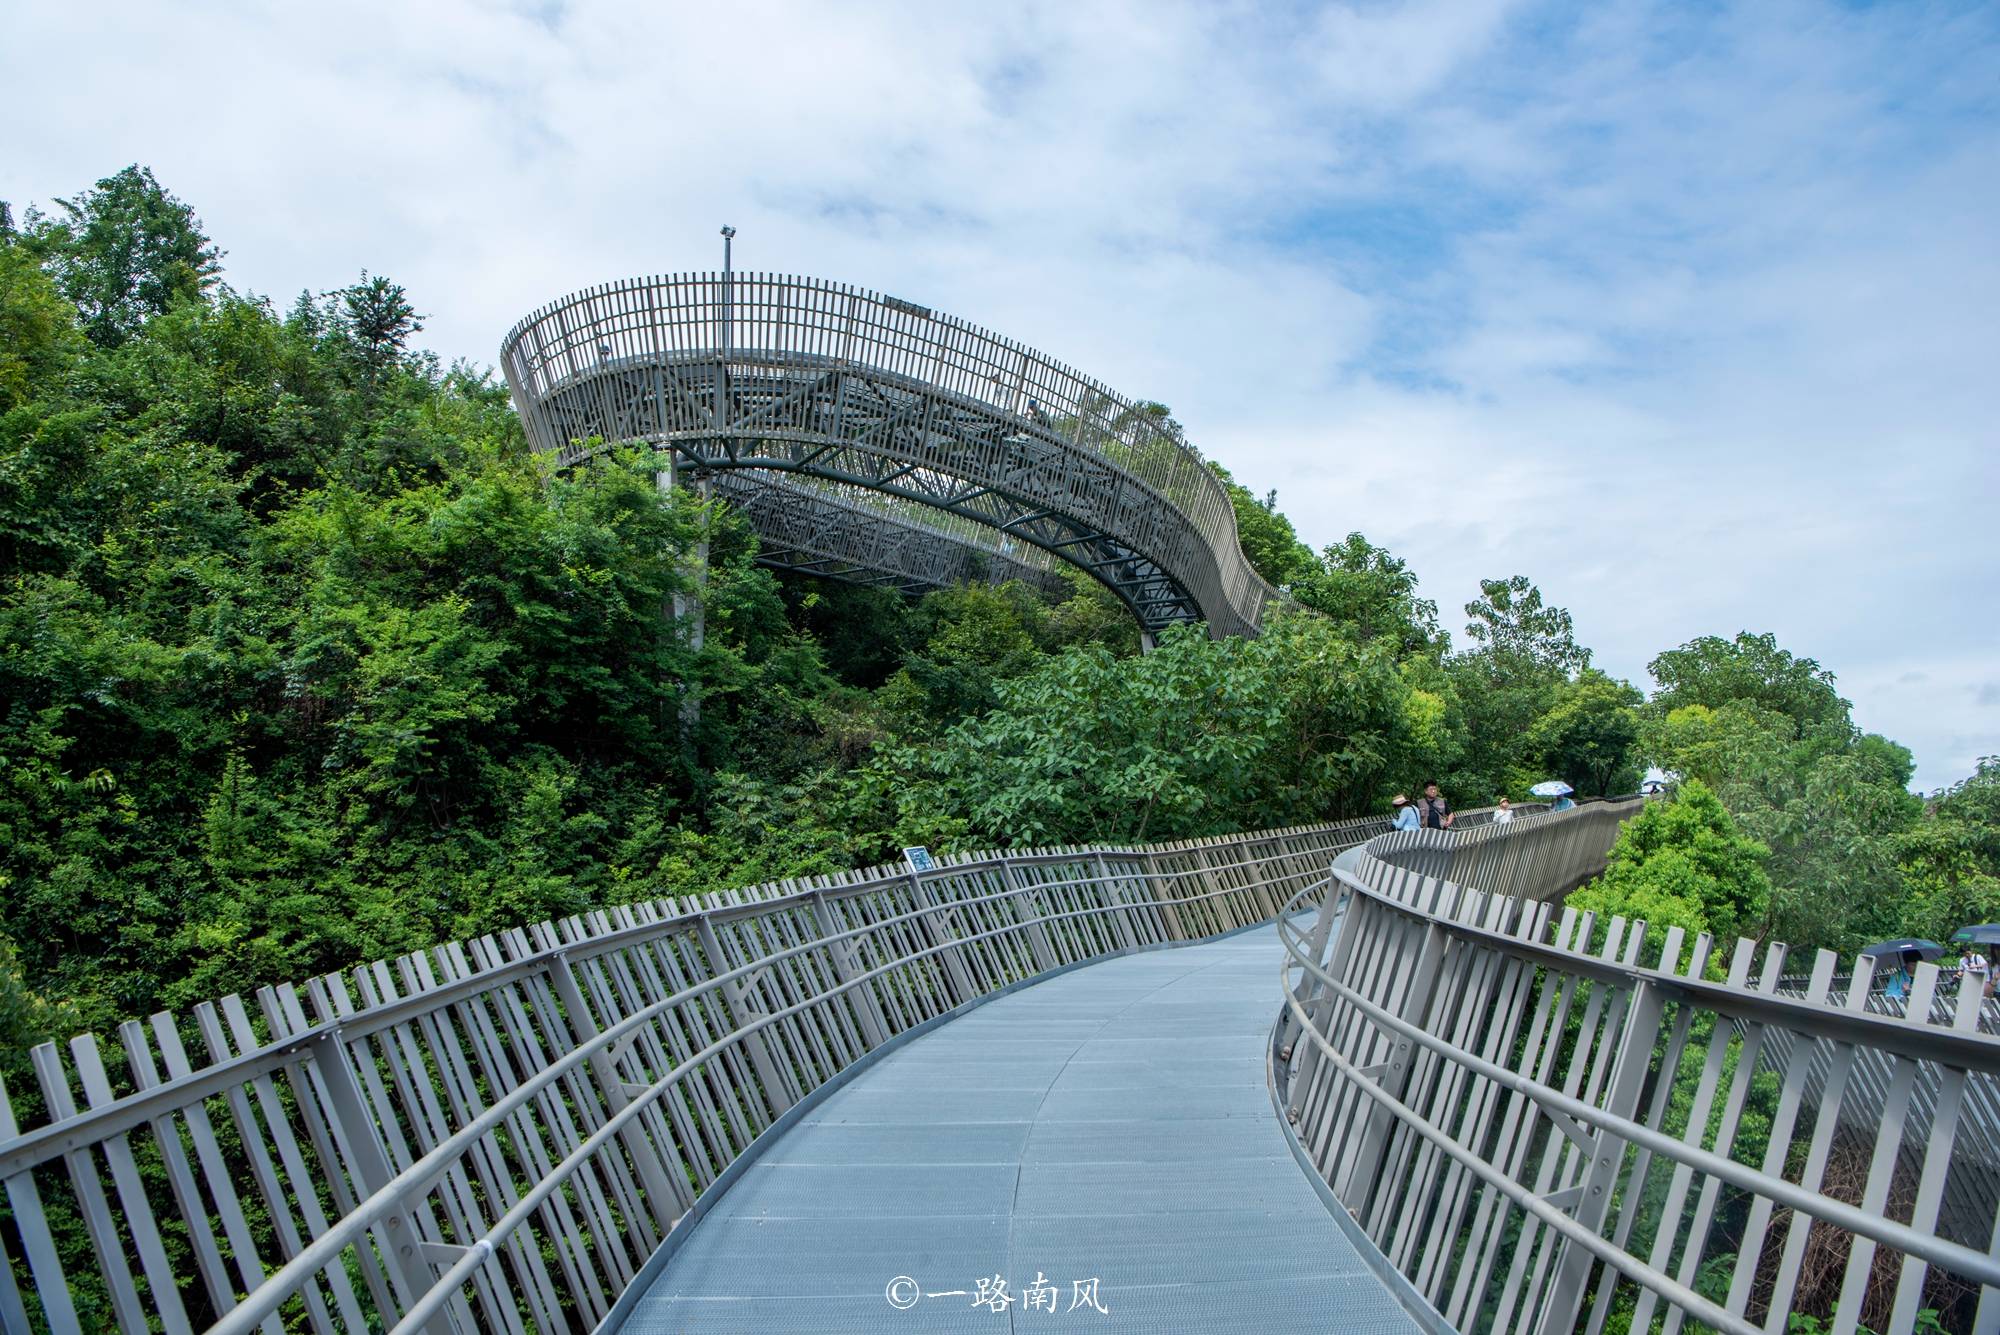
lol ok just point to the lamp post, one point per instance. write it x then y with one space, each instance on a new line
728 286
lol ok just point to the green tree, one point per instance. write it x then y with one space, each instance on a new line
38 334
1364 587
1713 671
1683 862
970 640
1200 736
123 252
1770 735
1510 622
1586 737
1950 858
1523 652
380 319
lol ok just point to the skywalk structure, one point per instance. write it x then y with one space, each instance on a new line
1326 1077
870 438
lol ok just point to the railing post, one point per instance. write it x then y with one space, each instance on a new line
940 933
1121 922
1170 912
1156 911
1319 1009
1367 1159
1329 915
841 954
398 1235
666 1187
1038 934
742 1006
1628 1081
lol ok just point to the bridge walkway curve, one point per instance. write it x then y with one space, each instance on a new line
1110 1122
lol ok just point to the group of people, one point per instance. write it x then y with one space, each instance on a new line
1432 812
1973 970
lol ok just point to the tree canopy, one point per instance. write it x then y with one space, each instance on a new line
123 252
304 659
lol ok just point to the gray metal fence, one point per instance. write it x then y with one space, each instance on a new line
1551 1123
764 373
495 1134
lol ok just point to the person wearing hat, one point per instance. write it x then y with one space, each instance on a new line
1406 814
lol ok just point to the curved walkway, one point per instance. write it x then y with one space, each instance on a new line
1112 1122
869 395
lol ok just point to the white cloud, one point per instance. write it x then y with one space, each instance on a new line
1685 313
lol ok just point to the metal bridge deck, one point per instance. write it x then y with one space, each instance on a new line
1111 1122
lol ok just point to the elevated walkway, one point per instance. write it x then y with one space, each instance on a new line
1113 1122
843 399
761 1112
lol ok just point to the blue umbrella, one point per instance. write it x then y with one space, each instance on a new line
1985 933
1551 788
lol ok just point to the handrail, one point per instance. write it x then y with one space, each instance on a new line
558 1108
39 1146
1434 1011
1901 1236
1519 1194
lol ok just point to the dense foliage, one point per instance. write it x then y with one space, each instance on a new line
1683 864
304 660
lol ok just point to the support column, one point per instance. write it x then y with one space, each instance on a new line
1114 895
1038 935
1324 1004
688 607
402 1236
1365 1162
1643 1011
1329 914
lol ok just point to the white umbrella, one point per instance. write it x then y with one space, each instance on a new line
1551 788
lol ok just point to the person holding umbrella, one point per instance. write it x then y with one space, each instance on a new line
1557 789
1975 961
1905 975
1909 951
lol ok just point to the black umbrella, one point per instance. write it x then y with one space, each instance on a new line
1985 934
1929 950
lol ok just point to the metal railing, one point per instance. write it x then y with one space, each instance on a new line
1550 1123
770 372
818 529
494 1135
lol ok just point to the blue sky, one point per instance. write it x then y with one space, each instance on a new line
1686 311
